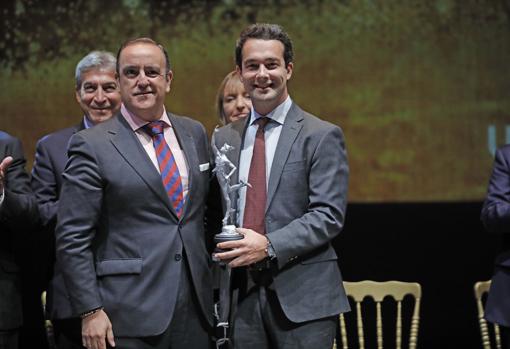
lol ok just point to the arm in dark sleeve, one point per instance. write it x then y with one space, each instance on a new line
44 185
19 207
496 208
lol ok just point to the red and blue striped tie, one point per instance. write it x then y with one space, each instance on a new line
167 165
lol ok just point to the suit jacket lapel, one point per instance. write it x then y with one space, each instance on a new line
190 153
128 145
290 130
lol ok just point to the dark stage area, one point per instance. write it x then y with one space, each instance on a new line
443 246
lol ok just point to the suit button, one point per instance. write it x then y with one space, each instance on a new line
178 257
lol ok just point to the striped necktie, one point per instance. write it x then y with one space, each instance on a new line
167 165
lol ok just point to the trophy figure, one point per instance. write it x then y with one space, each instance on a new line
224 169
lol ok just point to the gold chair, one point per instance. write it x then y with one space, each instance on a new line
481 289
47 323
378 291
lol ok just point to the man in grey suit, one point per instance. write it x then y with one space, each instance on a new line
98 95
294 286
130 232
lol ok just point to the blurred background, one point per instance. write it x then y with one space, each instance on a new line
420 88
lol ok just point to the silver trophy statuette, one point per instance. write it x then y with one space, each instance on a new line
224 169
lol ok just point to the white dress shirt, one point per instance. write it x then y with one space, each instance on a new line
271 137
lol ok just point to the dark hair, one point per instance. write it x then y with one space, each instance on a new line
264 31
144 40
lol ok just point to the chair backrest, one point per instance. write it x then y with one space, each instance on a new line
481 289
48 326
378 291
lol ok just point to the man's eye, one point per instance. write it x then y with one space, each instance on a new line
89 89
152 73
131 73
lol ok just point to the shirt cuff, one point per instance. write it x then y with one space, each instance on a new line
271 253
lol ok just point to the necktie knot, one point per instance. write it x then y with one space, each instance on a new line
154 128
262 122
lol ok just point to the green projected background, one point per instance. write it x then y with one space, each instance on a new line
420 87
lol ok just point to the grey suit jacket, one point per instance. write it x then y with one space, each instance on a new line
305 210
118 238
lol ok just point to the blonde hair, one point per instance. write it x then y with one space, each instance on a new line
233 75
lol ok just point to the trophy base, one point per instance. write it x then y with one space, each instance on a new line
228 233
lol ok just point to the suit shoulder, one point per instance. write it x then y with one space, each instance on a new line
10 142
316 124
234 127
189 121
505 150
58 138
194 126
100 129
6 138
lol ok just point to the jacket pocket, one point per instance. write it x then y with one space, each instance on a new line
119 266
294 166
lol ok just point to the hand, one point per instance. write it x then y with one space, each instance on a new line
244 252
4 165
94 329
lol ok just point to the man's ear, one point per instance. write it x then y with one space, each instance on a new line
169 76
238 70
77 95
289 68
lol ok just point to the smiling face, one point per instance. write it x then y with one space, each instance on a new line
98 95
143 80
236 101
265 74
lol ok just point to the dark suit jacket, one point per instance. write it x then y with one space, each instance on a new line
50 161
17 212
496 218
118 237
305 210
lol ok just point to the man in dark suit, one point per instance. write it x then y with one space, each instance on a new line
297 167
18 211
98 95
130 232
496 218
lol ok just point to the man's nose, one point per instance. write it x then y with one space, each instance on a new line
143 80
100 96
262 71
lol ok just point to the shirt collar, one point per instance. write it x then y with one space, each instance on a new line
278 114
137 122
87 122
